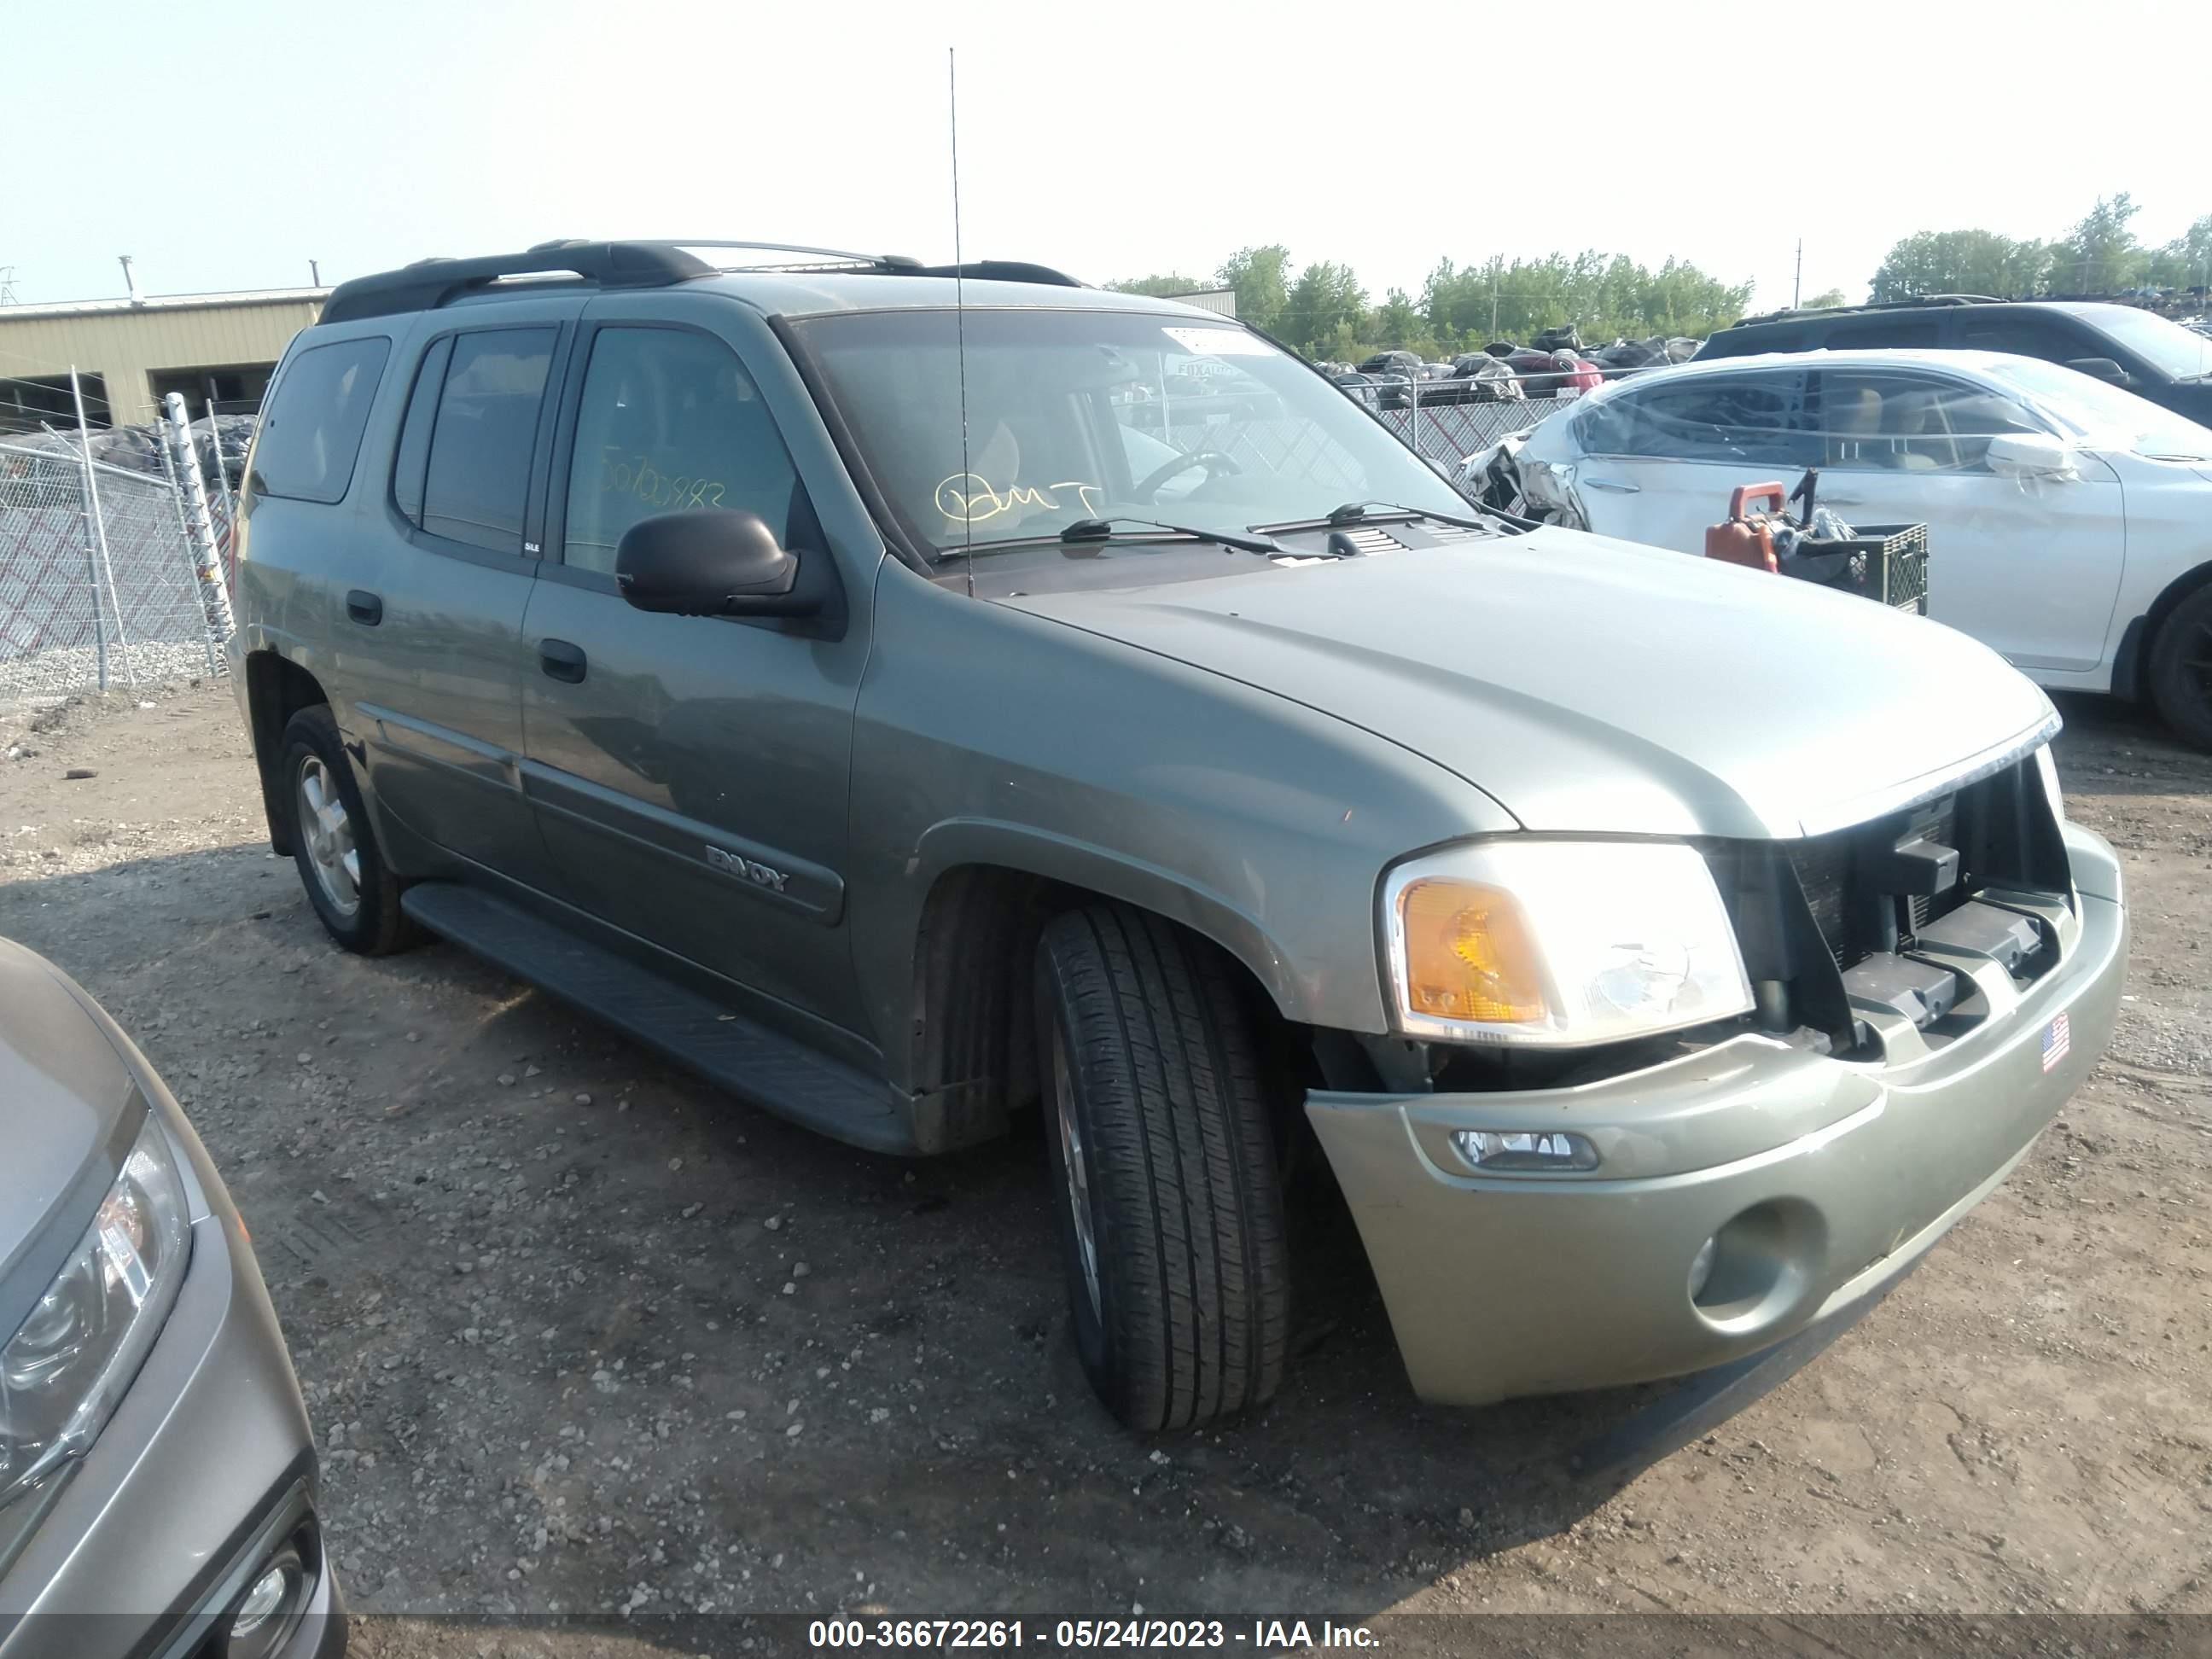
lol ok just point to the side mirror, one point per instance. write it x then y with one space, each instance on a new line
2101 368
2031 455
712 561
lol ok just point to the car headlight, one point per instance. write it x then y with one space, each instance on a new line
68 1364
1559 943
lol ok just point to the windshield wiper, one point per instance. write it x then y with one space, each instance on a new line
1088 530
1355 512
1099 529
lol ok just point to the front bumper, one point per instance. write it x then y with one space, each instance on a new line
206 1467
1837 1178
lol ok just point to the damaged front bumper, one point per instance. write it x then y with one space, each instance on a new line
1817 1182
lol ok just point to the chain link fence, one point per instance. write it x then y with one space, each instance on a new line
1451 432
101 583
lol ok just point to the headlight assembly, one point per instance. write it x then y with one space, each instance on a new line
1559 943
65 1368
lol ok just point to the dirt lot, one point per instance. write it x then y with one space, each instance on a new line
577 1332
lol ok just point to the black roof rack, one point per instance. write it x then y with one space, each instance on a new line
1788 313
428 284
1001 270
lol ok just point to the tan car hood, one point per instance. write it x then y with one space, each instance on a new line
1593 686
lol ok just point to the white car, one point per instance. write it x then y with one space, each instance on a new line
2069 523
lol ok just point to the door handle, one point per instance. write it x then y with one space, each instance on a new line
561 659
364 607
1613 489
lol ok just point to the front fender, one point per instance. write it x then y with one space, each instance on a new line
1112 874
988 738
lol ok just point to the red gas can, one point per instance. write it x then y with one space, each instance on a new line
1742 537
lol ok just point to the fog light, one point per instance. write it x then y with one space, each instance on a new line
1701 1268
1523 1149
261 1601
266 1616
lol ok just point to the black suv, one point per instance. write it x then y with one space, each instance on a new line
2139 351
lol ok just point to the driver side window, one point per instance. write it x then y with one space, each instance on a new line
1755 420
1880 421
669 422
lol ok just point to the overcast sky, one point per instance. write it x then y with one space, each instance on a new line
225 145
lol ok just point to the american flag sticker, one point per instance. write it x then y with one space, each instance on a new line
2057 1039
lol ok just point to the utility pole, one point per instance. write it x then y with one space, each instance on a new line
315 272
1797 284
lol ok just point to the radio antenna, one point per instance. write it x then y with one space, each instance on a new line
960 325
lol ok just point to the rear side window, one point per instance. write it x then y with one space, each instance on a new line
476 478
310 435
1753 418
414 454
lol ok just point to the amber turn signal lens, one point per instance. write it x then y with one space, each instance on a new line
1470 954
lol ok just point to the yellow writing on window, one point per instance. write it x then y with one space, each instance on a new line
968 498
663 492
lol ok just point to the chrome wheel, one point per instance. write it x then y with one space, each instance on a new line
1077 1177
327 832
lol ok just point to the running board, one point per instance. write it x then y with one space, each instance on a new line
762 1067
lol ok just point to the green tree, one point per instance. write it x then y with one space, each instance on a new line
1603 295
2100 254
1160 286
1826 299
1326 295
1261 276
2186 261
1960 262
1396 324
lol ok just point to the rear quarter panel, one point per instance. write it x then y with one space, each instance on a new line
292 555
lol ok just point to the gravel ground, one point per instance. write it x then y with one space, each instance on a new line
578 1333
28 684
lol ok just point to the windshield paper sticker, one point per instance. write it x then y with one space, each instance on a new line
1220 341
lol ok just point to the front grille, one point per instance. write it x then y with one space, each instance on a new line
1823 868
1824 919
1855 919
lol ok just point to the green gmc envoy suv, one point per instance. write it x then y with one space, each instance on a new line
914 696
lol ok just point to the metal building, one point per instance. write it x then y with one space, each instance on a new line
1223 300
129 352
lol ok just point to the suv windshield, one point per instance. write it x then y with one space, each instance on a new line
2172 349
1077 415
2105 415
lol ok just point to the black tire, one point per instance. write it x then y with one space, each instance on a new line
373 925
1144 1040
2181 668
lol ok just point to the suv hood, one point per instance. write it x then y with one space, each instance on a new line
1598 686
69 1103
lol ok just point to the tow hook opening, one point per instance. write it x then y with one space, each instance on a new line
1757 1266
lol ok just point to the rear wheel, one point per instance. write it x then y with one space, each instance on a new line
352 889
1162 1150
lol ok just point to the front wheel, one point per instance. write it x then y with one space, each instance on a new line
2181 668
1161 1147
